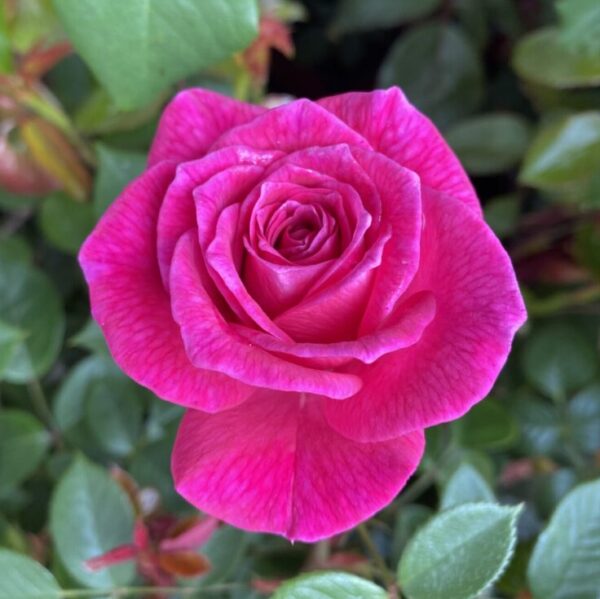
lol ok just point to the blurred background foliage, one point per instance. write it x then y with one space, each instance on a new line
514 85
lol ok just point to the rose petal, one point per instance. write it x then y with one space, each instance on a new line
212 343
454 365
132 308
193 120
394 127
276 466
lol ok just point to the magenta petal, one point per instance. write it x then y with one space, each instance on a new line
394 127
193 120
455 364
132 308
274 465
299 124
212 343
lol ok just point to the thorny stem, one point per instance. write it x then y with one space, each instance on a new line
386 574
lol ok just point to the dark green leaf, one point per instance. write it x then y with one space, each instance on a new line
408 520
89 515
541 425
491 143
29 302
564 564
502 214
584 419
329 585
116 168
23 443
154 44
541 58
558 358
358 15
10 339
488 425
15 249
66 223
91 338
466 486
438 68
459 553
24 578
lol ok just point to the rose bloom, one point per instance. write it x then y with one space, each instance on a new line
317 285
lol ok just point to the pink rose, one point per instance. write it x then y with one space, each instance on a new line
317 285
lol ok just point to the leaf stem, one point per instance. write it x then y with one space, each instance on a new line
386 574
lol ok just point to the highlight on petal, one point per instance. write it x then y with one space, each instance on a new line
132 308
478 310
213 344
193 120
394 127
274 465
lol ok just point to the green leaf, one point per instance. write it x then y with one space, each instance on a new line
89 515
438 68
459 553
30 303
502 214
540 424
10 338
488 425
583 419
540 57
580 31
558 358
408 520
491 143
90 337
329 585
24 578
563 152
65 222
466 486
116 168
564 564
16 249
23 443
153 44
97 403
358 15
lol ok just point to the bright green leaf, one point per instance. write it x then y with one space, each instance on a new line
66 223
30 303
358 15
466 486
491 143
329 585
140 47
564 564
23 443
438 68
24 578
558 358
540 57
459 553
89 515
116 168
564 152
580 29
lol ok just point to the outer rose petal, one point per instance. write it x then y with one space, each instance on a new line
394 127
274 465
132 308
212 343
454 365
192 122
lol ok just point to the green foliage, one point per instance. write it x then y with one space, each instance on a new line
466 486
581 25
329 585
438 68
459 553
90 515
153 44
564 564
24 578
